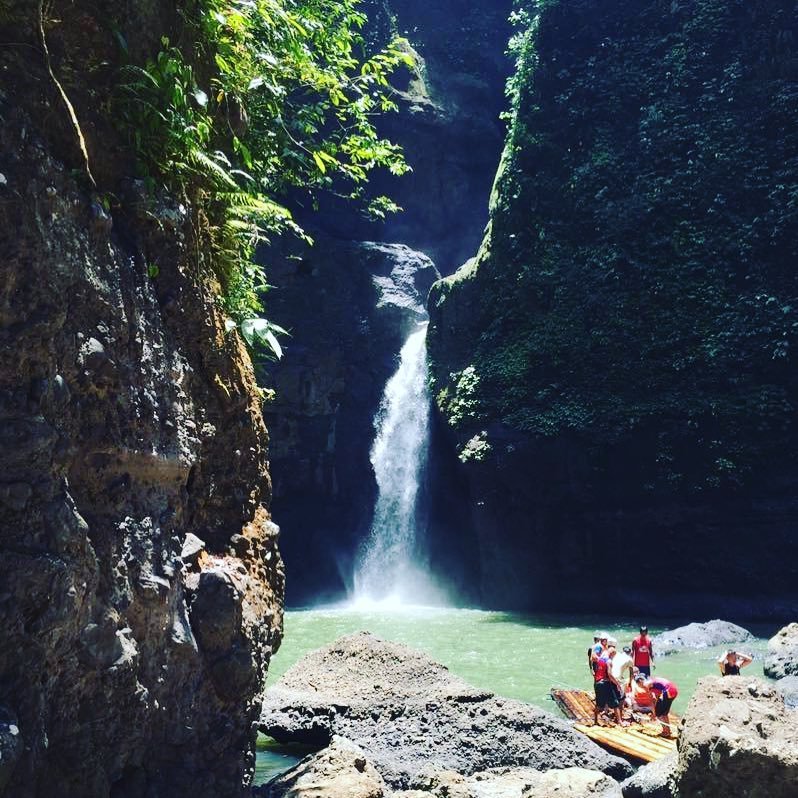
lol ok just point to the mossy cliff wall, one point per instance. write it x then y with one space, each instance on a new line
616 365
140 582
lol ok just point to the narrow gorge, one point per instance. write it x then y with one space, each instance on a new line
470 325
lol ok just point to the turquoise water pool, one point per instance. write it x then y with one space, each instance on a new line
516 656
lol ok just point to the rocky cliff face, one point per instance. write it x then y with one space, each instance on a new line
448 124
614 367
353 304
346 331
140 582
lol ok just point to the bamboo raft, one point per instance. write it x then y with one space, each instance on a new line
640 741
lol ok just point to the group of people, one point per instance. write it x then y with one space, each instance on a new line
623 680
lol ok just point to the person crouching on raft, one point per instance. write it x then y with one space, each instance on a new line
642 698
607 689
664 691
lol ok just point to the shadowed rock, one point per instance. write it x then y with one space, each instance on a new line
654 780
788 689
782 656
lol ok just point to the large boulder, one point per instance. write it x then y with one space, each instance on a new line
737 735
573 783
788 690
782 656
408 712
339 771
700 635
654 780
520 782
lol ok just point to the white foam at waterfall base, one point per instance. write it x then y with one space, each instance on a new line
391 569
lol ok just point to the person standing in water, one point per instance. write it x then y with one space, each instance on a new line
643 652
731 662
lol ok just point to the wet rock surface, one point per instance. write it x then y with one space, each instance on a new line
131 655
654 780
788 689
737 736
782 655
408 713
700 635
339 771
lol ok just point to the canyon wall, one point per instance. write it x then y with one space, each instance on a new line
140 582
346 332
615 366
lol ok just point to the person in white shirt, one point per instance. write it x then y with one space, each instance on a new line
622 667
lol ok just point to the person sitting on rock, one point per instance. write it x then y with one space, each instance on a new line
664 691
731 662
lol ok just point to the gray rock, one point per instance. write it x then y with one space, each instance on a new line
573 783
782 656
122 402
737 735
192 546
654 780
700 635
788 690
339 771
408 712
512 782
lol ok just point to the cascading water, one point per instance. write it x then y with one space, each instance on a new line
392 566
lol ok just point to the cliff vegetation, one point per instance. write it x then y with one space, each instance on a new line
636 290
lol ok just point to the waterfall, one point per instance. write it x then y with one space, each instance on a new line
391 565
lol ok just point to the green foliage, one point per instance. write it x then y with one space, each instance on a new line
638 292
476 449
255 98
458 401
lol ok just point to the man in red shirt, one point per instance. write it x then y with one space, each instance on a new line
607 690
643 652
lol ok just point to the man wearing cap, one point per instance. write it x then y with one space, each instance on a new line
643 651
606 690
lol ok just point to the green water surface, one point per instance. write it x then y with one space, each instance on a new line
515 656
